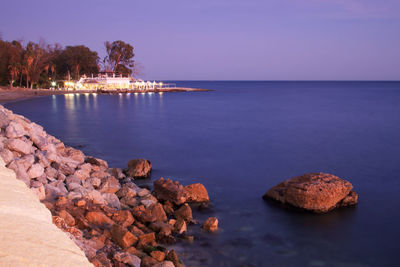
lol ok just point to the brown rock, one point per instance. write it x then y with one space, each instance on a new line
147 239
197 193
168 207
127 192
136 252
164 229
69 220
110 185
180 226
101 260
116 172
138 168
98 218
122 236
210 225
184 212
173 257
123 218
317 192
112 200
167 190
15 130
158 255
97 162
154 213
148 262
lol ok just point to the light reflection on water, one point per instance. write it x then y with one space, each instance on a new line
240 140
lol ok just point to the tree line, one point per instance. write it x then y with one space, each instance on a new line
38 65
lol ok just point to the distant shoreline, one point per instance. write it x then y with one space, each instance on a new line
16 94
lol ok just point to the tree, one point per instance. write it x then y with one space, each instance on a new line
15 52
78 60
35 62
119 57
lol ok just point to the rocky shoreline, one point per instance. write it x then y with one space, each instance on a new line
114 221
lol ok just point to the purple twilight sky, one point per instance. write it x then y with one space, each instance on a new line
225 39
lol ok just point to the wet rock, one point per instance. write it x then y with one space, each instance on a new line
35 170
164 229
210 225
168 190
138 168
197 193
184 212
180 226
317 192
19 146
110 185
122 236
98 218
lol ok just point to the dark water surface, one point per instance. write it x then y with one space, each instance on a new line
244 138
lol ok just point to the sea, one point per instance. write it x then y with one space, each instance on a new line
241 139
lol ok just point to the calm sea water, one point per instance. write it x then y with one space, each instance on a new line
240 140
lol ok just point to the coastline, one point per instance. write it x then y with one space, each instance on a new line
16 94
108 216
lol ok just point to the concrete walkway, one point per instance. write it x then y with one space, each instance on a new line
27 235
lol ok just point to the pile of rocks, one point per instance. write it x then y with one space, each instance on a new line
114 221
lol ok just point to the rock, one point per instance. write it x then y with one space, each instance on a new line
127 192
197 193
98 218
148 262
173 257
123 218
127 258
74 154
170 191
63 168
53 192
69 220
154 213
117 173
74 195
180 226
110 185
122 236
7 155
210 225
4 120
162 228
97 162
19 146
82 174
147 239
96 197
138 168
15 130
184 212
43 160
168 207
19 167
317 192
51 172
158 255
35 171
165 264
112 200
143 192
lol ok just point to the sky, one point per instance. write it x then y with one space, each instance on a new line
225 39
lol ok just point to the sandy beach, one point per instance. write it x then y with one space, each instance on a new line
15 94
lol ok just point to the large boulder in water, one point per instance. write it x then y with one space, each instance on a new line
317 192
138 168
167 190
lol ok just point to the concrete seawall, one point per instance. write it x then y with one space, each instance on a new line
27 235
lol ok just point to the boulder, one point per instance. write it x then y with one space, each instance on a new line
7 155
15 130
69 220
168 190
98 218
210 225
110 185
35 170
197 193
184 212
138 168
158 255
122 236
147 239
316 192
96 197
23 147
97 162
112 200
166 264
127 258
123 218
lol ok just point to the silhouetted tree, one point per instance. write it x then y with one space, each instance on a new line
78 60
119 57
